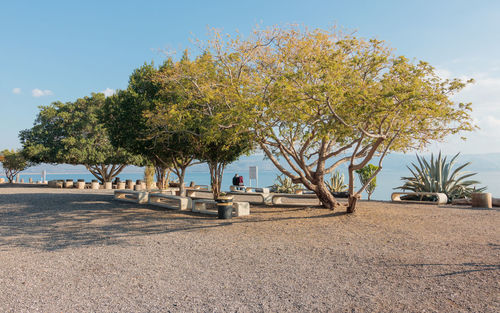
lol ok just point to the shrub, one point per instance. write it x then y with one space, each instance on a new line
437 175
364 176
284 184
336 183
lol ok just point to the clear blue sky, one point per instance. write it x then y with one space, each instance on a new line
62 50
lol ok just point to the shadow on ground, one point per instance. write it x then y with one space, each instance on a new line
52 221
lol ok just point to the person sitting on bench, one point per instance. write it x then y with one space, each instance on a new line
238 181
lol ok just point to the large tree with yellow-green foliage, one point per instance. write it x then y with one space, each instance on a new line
321 98
72 133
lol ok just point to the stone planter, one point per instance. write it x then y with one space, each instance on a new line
68 183
140 185
80 184
481 200
94 185
130 184
108 185
120 185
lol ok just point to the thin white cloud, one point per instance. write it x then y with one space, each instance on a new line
16 91
108 92
40 93
484 96
444 74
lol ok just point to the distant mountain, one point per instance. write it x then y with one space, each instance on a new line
393 162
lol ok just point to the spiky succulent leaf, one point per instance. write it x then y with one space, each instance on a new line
438 175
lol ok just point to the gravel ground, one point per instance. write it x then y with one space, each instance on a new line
80 251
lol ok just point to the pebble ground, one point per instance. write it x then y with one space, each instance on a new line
80 251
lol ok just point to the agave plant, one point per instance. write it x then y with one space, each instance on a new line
336 183
284 184
438 175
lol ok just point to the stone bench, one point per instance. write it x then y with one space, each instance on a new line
256 189
237 188
248 189
441 197
172 202
251 197
278 198
199 193
131 196
200 206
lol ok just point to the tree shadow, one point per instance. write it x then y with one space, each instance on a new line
469 268
54 221
22 185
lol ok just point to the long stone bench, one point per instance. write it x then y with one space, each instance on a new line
251 197
257 189
199 193
234 188
278 198
131 196
172 202
441 198
200 206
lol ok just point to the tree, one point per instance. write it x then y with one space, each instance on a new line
13 163
177 114
130 119
323 98
72 133
217 131
365 177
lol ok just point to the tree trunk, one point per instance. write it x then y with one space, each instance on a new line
325 196
10 175
352 202
162 176
105 173
216 172
182 188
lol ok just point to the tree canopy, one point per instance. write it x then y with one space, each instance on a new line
217 131
324 98
72 133
177 114
13 163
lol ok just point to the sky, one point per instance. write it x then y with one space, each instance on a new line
62 50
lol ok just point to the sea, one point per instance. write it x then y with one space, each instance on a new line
487 168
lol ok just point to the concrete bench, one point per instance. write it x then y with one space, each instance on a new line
278 198
248 189
251 197
237 188
441 198
131 196
201 206
172 202
199 193
256 189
